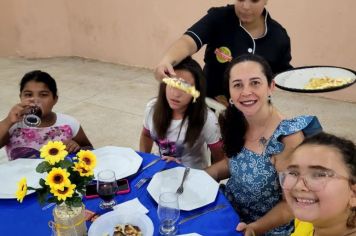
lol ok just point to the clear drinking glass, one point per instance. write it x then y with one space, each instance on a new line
32 116
168 213
106 188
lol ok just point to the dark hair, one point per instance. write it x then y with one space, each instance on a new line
232 122
347 149
39 76
196 112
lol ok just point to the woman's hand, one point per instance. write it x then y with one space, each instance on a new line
169 159
163 70
71 146
246 229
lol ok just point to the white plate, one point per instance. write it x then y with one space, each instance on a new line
296 79
199 188
12 171
124 161
105 224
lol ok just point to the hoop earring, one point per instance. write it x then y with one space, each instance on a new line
231 102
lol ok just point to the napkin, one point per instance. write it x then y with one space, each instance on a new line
132 206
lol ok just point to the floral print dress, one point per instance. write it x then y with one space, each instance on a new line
26 142
253 187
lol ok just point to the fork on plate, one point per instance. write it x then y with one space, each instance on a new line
180 189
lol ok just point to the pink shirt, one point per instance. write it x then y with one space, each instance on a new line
26 142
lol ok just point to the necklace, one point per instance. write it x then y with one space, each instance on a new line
167 142
262 140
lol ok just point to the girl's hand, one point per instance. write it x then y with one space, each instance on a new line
169 159
243 227
17 112
71 146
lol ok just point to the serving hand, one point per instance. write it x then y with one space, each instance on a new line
163 70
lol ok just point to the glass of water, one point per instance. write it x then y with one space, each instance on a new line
168 213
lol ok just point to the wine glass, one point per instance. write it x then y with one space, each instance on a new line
168 213
32 116
106 188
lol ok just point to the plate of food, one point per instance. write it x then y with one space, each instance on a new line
315 79
115 223
124 161
200 188
12 172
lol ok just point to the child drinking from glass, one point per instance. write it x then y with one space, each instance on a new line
179 122
38 91
320 186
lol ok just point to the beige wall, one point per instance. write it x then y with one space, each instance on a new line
137 32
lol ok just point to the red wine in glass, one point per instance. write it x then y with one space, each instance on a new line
107 192
106 188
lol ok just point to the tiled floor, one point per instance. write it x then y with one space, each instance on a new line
109 99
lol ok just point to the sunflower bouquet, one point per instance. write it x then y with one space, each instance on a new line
66 177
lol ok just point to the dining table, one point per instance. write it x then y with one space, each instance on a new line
31 218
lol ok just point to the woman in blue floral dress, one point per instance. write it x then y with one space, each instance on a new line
258 140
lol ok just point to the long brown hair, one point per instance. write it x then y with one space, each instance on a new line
232 122
196 112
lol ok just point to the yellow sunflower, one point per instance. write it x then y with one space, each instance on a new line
88 157
21 189
66 192
57 178
53 152
83 169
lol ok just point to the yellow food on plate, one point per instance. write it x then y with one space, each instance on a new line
326 82
182 85
127 230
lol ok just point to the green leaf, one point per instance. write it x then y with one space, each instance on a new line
81 191
43 167
53 199
74 201
65 164
41 196
42 182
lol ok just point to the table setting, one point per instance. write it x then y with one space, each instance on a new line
197 208
315 79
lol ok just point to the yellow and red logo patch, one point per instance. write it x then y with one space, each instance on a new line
223 54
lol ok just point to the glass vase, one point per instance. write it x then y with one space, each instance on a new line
69 221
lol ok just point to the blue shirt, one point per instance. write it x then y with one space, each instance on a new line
253 186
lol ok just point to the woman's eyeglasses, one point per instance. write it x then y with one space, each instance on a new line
314 180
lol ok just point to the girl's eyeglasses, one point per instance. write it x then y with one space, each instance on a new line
314 180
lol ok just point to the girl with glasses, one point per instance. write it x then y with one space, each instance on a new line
320 186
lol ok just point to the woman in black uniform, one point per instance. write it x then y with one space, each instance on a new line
230 31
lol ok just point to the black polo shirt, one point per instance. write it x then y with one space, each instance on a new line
225 38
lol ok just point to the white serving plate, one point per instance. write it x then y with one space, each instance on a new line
11 173
295 80
199 188
105 223
124 161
